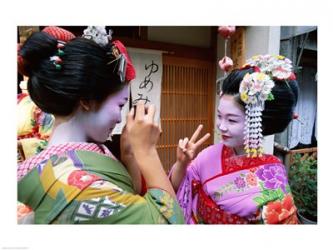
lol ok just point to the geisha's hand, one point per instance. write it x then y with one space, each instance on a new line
187 149
143 132
143 135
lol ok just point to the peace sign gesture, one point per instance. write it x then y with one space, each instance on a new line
187 149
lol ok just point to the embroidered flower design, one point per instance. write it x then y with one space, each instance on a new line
239 182
278 211
253 170
81 179
273 176
251 179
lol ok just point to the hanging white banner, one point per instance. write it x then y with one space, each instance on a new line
147 84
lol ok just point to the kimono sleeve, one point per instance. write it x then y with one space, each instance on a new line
185 196
275 202
280 211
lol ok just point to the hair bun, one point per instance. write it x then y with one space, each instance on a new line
40 46
37 47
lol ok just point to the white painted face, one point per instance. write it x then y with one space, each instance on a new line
99 124
230 121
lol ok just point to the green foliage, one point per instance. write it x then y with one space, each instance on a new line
303 184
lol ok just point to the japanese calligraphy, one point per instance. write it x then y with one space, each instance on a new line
147 84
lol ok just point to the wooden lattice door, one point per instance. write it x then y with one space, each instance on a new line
187 100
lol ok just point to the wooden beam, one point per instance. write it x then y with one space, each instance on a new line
175 50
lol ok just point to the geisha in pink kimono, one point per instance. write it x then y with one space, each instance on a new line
234 182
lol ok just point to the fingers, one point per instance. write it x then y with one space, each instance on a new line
151 113
188 154
145 113
183 143
196 133
130 117
180 144
140 111
202 140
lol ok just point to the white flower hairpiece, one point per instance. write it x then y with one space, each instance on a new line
254 90
98 34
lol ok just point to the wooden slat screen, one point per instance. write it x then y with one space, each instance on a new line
186 102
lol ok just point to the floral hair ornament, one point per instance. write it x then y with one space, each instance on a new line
98 34
118 53
277 66
254 90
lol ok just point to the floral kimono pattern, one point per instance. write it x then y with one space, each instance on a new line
84 187
34 128
222 188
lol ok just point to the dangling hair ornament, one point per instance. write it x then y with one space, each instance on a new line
121 61
226 64
254 90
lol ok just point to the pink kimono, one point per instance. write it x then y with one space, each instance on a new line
222 188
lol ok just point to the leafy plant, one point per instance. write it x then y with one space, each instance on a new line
303 184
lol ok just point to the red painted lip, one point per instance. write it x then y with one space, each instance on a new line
225 137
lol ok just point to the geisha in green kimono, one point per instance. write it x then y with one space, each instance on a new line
83 82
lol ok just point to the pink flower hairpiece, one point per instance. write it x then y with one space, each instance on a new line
277 66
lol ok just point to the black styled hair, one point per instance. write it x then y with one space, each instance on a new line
278 112
85 73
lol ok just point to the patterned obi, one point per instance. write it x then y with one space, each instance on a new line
210 213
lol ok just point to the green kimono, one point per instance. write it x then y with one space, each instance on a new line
83 187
